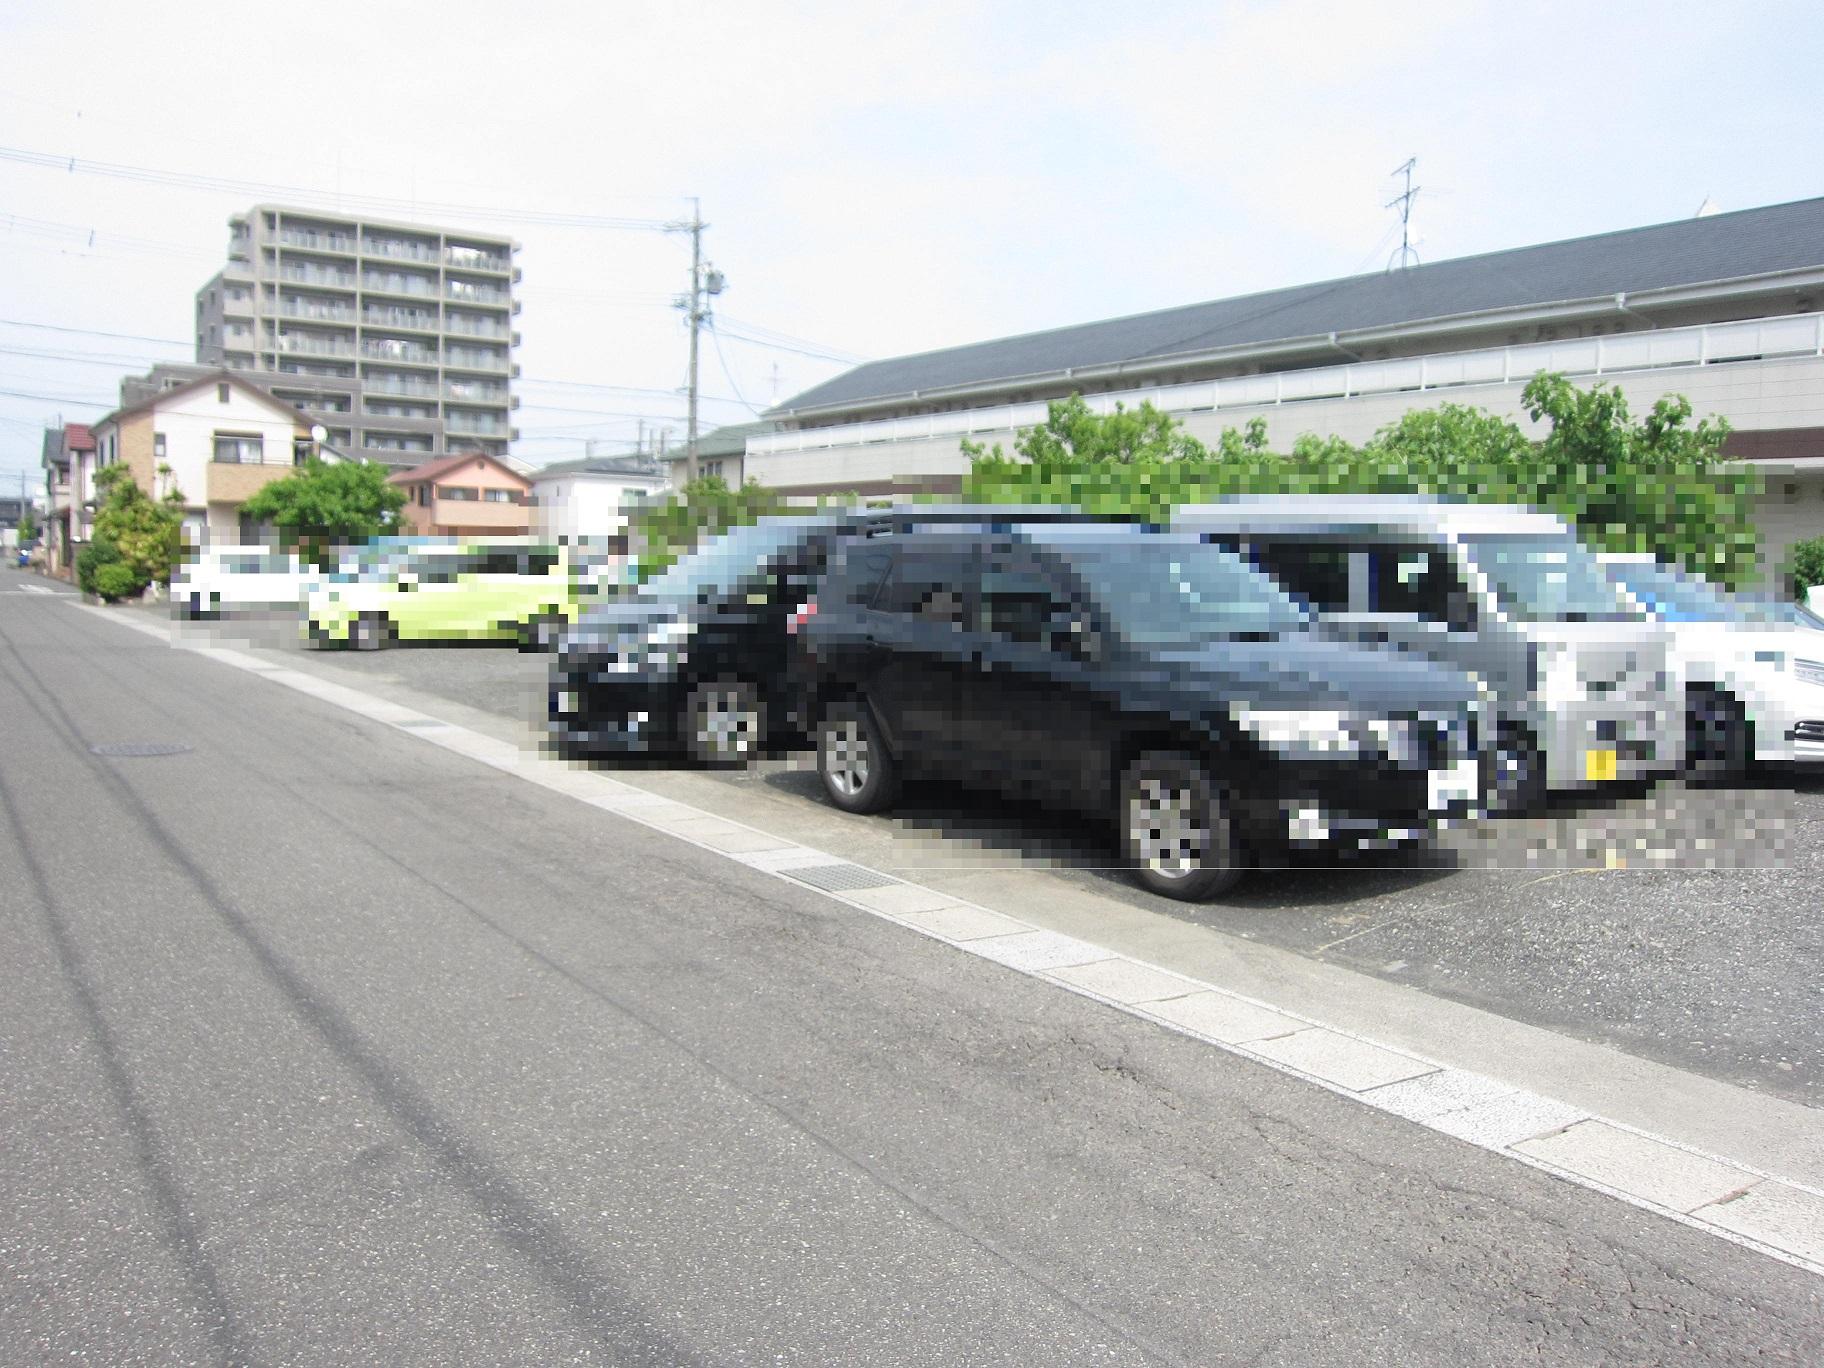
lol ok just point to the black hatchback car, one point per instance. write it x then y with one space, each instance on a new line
696 659
1128 674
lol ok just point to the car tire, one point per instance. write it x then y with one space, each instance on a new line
1177 829
542 632
1718 741
859 773
1516 778
370 632
724 723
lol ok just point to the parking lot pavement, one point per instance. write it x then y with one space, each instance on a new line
1679 926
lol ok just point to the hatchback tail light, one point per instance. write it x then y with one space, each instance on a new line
802 614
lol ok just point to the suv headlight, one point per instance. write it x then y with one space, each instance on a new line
1304 733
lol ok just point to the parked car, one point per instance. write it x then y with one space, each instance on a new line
473 592
1138 676
224 580
1754 677
1582 682
696 657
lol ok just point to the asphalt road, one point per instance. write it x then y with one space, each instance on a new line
323 1045
1704 951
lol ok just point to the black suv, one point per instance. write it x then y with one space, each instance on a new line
1127 673
696 658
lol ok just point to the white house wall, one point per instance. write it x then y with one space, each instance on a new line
190 422
584 505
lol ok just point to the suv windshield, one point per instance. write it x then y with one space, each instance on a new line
717 568
1179 595
1547 579
1673 594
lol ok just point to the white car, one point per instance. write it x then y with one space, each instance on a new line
1753 671
238 579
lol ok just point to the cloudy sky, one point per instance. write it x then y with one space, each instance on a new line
877 179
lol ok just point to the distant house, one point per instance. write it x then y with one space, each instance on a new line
69 494
217 440
720 453
472 495
592 497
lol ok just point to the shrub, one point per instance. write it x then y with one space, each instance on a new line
91 559
117 580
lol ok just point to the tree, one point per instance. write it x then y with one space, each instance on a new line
704 508
1073 433
137 539
28 526
1658 485
323 505
1804 566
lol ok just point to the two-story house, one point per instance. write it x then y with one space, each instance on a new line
473 495
69 494
217 440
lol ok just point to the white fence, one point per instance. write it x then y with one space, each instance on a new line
1755 339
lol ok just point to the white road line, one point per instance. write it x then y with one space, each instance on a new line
1744 1205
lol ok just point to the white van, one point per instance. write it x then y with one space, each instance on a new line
1582 684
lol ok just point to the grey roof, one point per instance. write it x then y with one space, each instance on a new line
623 466
1717 247
728 440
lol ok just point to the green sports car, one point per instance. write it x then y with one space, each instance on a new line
524 594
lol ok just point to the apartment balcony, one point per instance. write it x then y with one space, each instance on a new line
313 346
457 422
472 392
474 514
409 320
465 327
491 362
473 292
477 259
340 243
310 275
404 389
395 353
396 249
325 313
411 286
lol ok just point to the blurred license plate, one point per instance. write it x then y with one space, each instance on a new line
1599 765
1461 783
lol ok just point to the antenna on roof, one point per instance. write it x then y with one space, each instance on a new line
1707 208
1407 250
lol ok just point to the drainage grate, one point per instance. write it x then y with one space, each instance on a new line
139 750
838 878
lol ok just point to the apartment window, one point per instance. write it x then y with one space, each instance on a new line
424 496
221 393
158 448
232 448
506 496
710 469
461 493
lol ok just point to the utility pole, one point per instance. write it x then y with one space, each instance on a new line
1405 203
704 280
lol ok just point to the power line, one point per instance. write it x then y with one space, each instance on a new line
260 190
715 336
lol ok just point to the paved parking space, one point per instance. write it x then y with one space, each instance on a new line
1678 926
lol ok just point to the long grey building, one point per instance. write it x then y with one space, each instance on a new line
396 337
1726 309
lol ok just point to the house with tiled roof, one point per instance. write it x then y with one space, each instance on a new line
467 495
217 440
1725 309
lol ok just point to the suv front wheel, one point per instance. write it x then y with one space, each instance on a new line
1177 828
857 771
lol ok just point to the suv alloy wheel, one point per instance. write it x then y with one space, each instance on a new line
369 632
1717 741
1177 828
724 722
1516 780
857 771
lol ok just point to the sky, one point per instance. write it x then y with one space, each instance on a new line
877 180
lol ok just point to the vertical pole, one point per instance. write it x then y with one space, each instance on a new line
696 320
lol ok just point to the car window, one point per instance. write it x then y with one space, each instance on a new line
1018 605
1416 581
856 576
1317 572
930 586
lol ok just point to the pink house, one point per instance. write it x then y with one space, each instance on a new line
470 495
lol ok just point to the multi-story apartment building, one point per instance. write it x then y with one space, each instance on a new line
396 337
